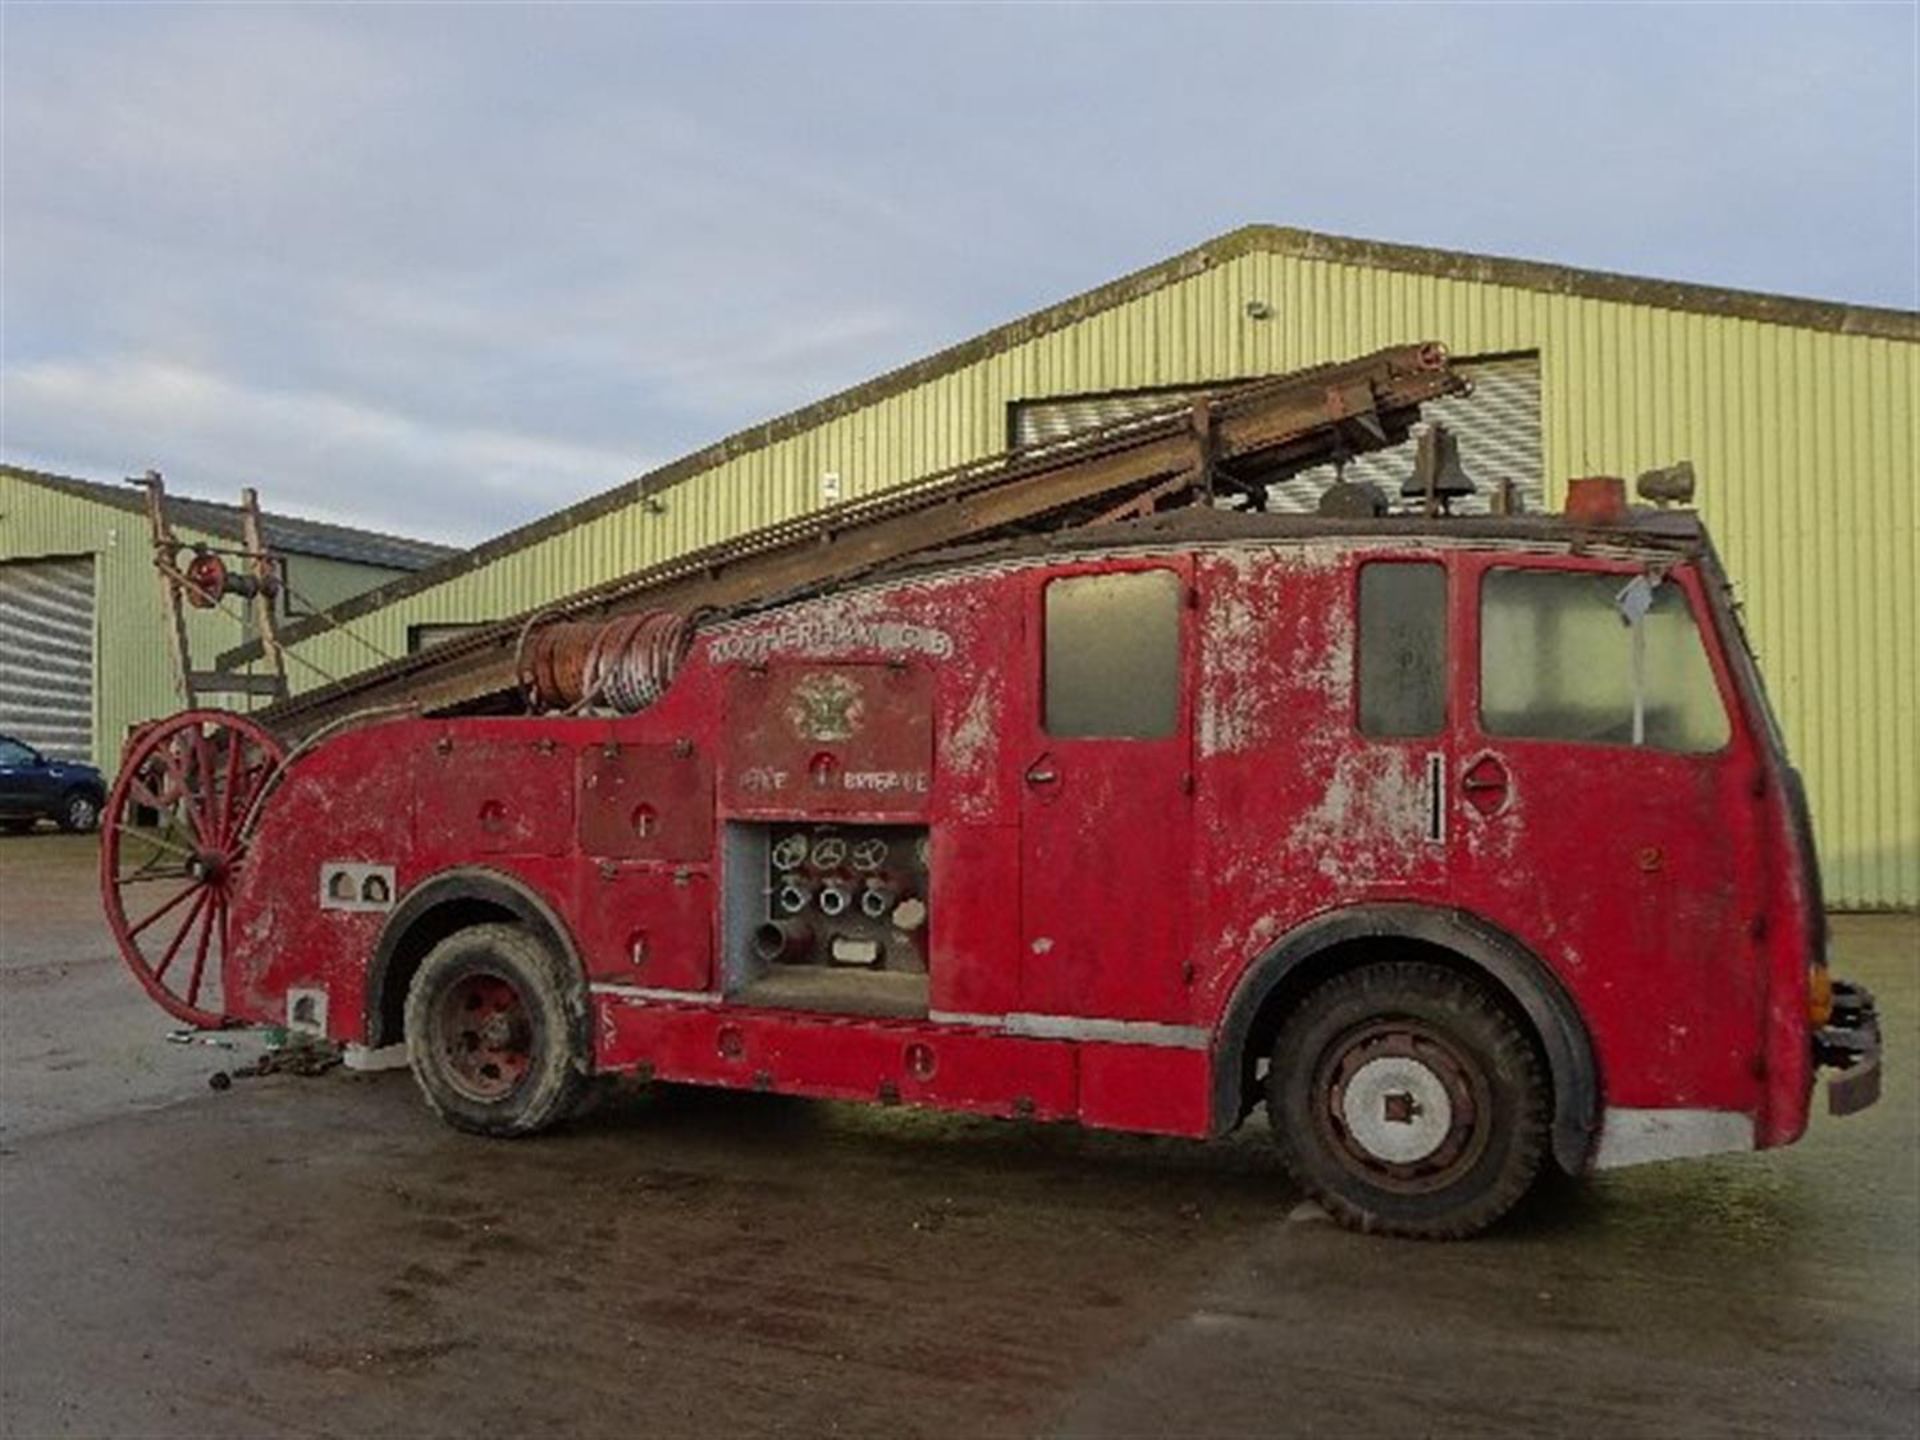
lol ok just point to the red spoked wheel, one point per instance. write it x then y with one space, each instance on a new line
172 844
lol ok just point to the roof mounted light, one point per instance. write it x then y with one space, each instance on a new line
1672 485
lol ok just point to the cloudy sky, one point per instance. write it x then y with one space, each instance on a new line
442 269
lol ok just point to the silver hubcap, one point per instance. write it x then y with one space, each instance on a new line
1397 1109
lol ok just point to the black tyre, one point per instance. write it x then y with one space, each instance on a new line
18 825
79 812
1408 1101
496 1031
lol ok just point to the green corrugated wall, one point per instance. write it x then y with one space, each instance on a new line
132 665
1804 440
132 669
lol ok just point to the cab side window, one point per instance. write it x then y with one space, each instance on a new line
1403 648
1560 659
1112 655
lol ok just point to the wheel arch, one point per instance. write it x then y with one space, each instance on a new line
1328 944
434 909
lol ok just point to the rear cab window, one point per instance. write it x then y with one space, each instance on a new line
1402 648
1112 662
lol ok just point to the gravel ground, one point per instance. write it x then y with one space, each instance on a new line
319 1257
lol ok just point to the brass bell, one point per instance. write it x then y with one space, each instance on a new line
1437 477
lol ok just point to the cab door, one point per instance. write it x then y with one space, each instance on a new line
1107 791
1601 795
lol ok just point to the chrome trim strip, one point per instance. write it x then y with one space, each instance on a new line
1118 1032
643 993
1635 1137
1081 1027
1032 1027
957 1017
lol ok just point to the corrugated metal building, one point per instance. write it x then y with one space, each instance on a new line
84 650
1800 415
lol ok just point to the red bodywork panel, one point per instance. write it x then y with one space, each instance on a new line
1095 904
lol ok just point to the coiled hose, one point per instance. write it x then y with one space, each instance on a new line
624 664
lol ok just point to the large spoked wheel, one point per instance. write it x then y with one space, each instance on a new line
1408 1101
495 1027
172 846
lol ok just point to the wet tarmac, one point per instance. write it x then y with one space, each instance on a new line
319 1257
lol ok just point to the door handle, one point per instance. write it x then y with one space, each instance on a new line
1486 784
1041 772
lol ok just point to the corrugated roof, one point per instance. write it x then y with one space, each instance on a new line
1785 310
289 534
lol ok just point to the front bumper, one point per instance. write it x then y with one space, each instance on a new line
1850 1043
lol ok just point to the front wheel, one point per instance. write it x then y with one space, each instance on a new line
1408 1101
495 1032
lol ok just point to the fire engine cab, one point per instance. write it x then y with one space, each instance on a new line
1466 846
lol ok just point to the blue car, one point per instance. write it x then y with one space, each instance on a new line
34 788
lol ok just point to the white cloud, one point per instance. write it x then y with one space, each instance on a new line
446 268
310 453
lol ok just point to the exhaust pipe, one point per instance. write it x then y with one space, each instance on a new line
783 940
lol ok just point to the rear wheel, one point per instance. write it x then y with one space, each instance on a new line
495 1031
1408 1101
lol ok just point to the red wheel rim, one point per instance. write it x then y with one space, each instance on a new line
484 1033
172 845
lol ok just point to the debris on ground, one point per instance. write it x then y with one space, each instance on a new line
302 1055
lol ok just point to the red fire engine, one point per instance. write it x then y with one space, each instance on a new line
1467 845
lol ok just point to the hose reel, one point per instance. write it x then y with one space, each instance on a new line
623 664
207 579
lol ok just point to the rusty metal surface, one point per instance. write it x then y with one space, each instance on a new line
1259 433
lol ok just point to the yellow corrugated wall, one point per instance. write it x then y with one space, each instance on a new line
1804 439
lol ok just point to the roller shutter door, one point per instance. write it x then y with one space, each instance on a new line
46 654
1498 427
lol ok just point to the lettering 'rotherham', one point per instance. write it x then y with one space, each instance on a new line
832 635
